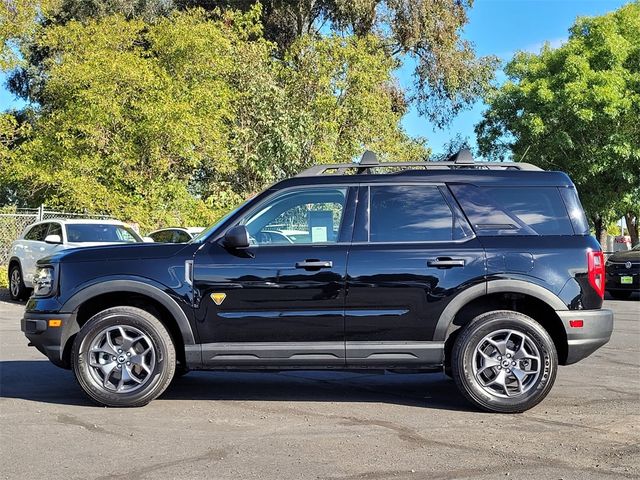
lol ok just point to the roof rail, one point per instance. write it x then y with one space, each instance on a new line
369 161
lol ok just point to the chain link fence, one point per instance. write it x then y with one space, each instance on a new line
13 223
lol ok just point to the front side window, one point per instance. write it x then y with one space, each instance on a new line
37 232
55 229
308 216
100 232
409 213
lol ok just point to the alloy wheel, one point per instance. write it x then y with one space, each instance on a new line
121 359
507 363
15 282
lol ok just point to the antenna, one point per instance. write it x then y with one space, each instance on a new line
462 157
368 158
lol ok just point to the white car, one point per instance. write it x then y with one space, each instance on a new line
175 234
44 238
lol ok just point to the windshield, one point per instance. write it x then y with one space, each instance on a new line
637 247
100 232
207 231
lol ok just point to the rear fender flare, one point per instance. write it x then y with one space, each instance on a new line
494 286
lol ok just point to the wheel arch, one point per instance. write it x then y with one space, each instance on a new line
533 300
111 293
14 260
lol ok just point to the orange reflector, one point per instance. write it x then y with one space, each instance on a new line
54 322
576 323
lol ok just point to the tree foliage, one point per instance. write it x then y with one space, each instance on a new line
176 120
448 76
576 109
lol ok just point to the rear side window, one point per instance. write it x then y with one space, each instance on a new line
514 211
163 236
181 237
37 232
409 213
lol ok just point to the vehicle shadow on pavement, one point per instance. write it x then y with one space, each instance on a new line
416 390
40 381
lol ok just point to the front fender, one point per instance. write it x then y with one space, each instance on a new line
139 285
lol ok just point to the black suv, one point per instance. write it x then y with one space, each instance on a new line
485 271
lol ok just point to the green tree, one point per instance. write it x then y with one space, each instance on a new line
576 109
177 120
448 75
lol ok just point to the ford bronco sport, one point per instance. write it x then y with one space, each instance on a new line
484 270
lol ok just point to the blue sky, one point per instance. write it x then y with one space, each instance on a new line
497 27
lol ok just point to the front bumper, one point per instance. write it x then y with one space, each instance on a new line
596 329
48 340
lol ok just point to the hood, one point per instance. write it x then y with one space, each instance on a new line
626 256
113 252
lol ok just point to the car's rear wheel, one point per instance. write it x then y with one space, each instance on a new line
17 288
621 294
504 361
123 357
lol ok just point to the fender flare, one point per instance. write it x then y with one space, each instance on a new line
127 285
493 286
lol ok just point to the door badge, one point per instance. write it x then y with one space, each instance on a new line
218 298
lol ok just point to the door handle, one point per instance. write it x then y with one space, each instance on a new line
314 264
445 262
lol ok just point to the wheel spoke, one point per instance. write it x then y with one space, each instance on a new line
501 346
521 354
499 380
132 375
108 371
487 362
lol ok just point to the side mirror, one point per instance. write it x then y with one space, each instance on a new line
236 237
53 239
148 240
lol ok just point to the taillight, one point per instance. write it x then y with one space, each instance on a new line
596 271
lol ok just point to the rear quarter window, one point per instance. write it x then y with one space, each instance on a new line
514 211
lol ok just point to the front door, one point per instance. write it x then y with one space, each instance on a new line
280 301
413 251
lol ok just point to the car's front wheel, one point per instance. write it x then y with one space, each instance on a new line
123 357
17 288
504 361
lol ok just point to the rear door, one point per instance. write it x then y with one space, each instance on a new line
413 251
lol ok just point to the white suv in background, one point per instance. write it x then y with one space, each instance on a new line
44 238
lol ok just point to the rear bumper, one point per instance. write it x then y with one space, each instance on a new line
597 326
48 340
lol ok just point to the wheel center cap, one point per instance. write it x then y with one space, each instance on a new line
506 363
121 359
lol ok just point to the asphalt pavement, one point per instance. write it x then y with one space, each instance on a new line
310 425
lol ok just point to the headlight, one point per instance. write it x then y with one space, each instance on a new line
43 281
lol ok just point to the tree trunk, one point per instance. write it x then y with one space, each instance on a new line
600 231
632 226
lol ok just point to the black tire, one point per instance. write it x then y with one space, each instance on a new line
17 289
153 338
621 294
493 398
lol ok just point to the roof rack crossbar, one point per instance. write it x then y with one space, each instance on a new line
343 168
